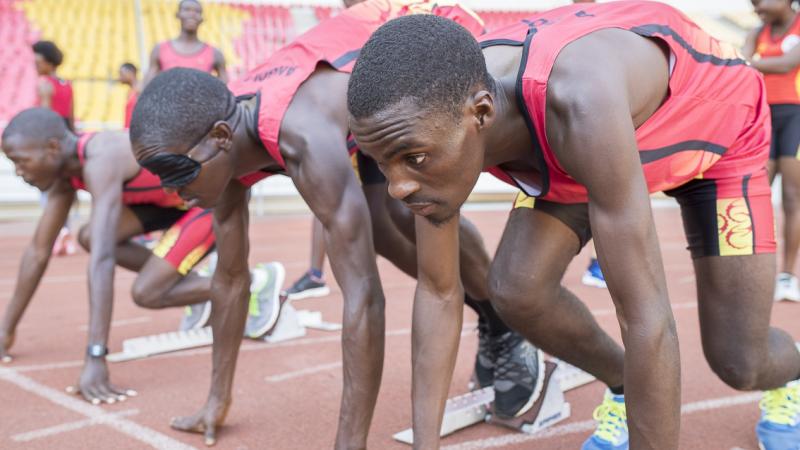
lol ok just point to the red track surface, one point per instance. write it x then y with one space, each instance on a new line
300 412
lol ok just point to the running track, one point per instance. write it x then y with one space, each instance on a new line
287 396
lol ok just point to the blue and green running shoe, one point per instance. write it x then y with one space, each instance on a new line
612 425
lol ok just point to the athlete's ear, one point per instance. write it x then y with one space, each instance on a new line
481 106
222 133
53 147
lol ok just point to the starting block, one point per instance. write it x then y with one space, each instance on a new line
550 408
291 324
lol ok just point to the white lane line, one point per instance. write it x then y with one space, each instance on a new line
302 372
124 426
589 425
53 279
48 366
122 322
71 426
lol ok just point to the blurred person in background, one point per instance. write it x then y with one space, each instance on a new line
187 50
128 76
773 50
55 93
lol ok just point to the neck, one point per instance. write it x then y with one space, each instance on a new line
71 164
188 36
508 139
248 152
785 19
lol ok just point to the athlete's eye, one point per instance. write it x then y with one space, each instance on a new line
416 159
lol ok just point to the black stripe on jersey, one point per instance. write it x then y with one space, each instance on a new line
654 29
648 156
345 59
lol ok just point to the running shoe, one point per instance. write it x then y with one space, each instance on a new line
308 286
483 376
265 299
518 375
779 427
787 288
612 425
198 315
594 276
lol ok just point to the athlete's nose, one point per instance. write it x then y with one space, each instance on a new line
402 188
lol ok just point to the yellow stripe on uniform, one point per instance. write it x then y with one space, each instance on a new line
166 242
192 259
524 201
735 227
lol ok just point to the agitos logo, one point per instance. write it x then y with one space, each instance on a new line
274 71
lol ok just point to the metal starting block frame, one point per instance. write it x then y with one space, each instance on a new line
550 408
291 324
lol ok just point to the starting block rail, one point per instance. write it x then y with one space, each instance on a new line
291 324
550 408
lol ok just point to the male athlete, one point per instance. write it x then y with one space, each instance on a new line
187 50
126 201
290 117
587 108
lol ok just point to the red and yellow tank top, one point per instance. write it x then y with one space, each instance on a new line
782 88
61 101
714 96
335 42
144 188
169 58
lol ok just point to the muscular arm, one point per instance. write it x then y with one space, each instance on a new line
317 161
230 289
35 259
600 151
436 326
219 66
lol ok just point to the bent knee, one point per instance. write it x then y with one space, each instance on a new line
146 295
512 294
739 371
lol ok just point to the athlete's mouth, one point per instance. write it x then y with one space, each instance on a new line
422 208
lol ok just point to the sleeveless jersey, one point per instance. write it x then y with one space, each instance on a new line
61 101
169 58
713 122
144 188
782 88
335 42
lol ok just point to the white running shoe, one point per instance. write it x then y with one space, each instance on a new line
787 288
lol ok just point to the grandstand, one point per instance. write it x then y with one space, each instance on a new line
97 36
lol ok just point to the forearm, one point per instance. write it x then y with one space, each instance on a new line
229 293
362 356
30 274
101 297
436 330
773 65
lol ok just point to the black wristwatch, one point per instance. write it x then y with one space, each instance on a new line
97 350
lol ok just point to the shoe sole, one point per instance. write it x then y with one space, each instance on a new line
204 318
280 274
539 388
311 293
589 280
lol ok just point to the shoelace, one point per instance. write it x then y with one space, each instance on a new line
504 364
611 420
781 406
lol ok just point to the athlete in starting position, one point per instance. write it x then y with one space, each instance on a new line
666 107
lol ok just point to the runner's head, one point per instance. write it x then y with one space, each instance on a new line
34 142
420 99
127 74
349 3
47 57
190 13
772 11
182 130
